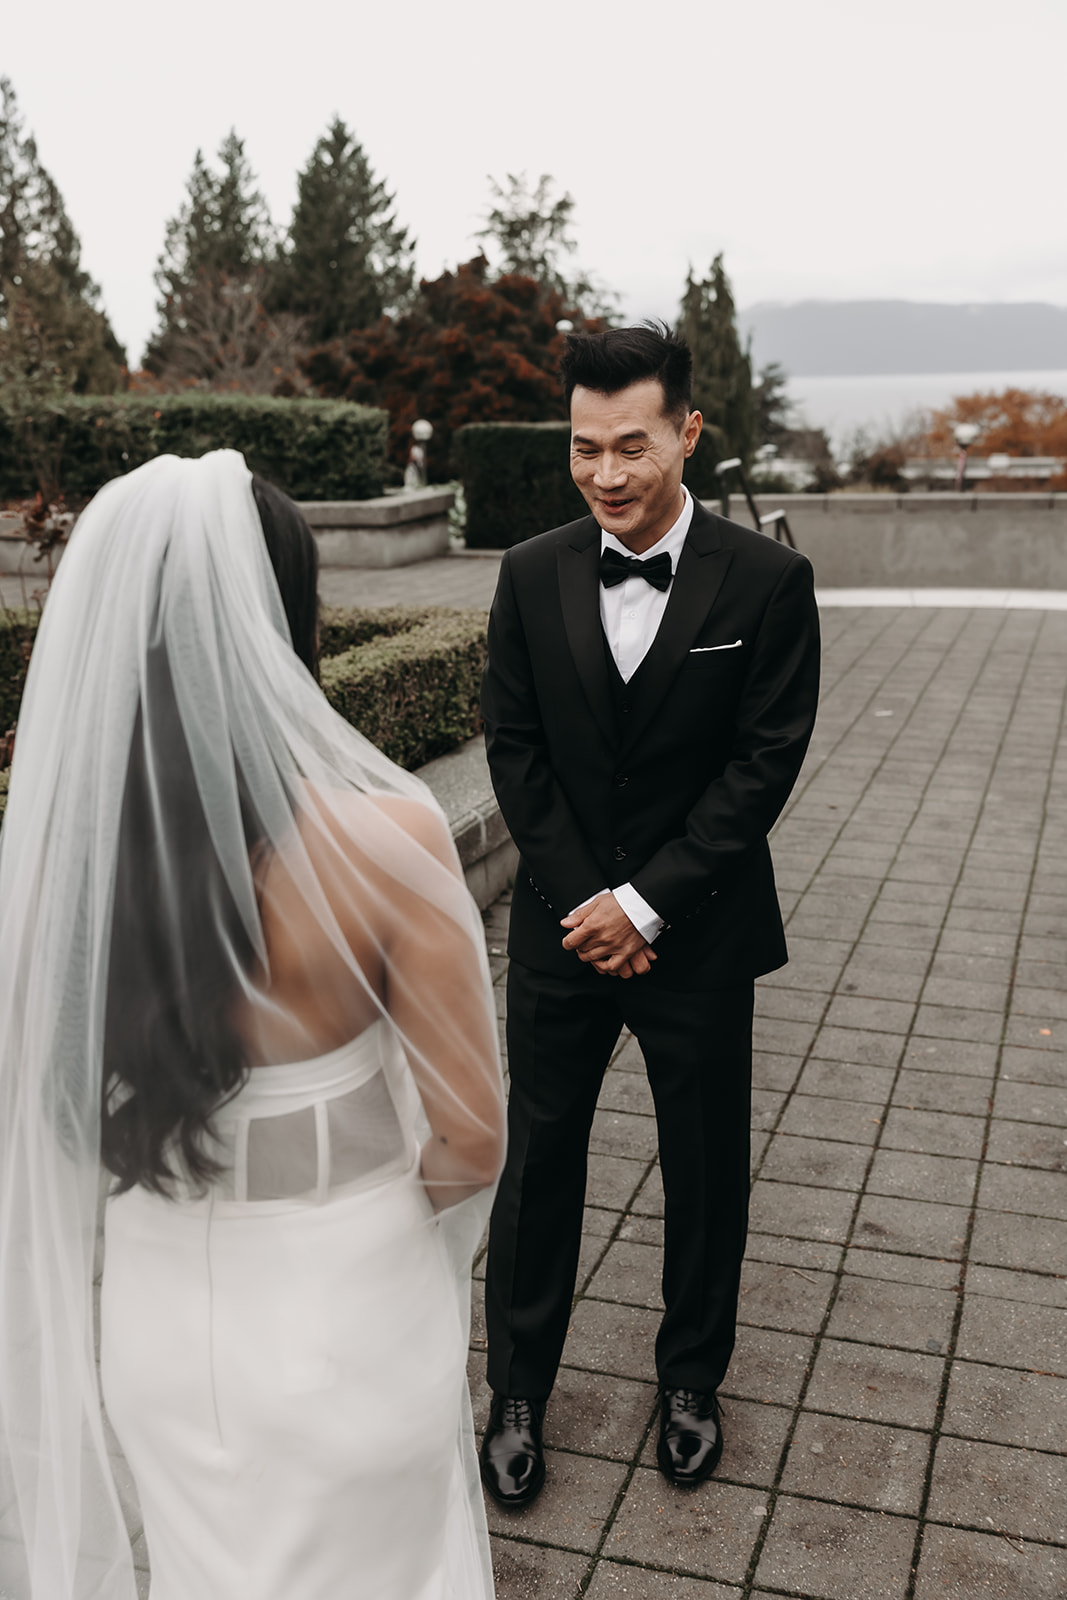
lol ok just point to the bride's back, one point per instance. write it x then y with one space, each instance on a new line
310 1002
219 905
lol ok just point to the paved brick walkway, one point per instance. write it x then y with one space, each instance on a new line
466 580
895 1410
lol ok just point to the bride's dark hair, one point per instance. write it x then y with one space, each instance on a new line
172 1052
294 556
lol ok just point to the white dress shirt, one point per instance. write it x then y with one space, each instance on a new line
631 613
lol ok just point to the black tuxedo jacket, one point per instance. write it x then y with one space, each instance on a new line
671 783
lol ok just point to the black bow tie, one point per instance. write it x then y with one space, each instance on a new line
616 569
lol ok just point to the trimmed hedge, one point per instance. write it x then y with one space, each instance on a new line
407 678
517 480
414 691
342 627
313 449
17 632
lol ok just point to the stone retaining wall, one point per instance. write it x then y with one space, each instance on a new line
972 541
461 784
391 531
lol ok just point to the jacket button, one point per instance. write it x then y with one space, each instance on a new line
620 780
620 853
625 706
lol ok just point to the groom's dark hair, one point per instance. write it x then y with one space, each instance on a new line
613 359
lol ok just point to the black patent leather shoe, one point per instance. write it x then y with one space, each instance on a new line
512 1453
690 1436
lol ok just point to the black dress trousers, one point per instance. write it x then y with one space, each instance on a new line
698 1054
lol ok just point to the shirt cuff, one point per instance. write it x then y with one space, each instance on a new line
589 902
640 913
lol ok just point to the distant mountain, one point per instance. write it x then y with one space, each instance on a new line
814 338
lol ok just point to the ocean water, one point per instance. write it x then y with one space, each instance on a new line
880 403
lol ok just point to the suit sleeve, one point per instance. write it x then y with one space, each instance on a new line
532 801
776 714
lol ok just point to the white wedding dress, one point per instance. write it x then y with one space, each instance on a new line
200 859
283 1359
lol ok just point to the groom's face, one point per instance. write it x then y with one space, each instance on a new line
627 458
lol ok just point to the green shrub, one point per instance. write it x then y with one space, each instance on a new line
413 693
341 627
313 449
517 480
4 776
17 630
407 678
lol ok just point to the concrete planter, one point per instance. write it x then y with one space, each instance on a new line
16 556
391 531
971 541
462 787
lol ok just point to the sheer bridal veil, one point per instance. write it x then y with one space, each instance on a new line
171 745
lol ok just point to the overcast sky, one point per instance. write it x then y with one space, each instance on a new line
833 149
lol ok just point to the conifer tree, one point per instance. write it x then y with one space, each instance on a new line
219 244
346 260
722 369
531 232
773 406
52 329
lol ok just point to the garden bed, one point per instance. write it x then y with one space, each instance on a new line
406 677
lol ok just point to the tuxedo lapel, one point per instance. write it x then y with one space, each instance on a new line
702 566
578 563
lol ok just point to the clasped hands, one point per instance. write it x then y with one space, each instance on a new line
602 934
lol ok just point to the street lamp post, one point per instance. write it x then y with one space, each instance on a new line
415 473
966 433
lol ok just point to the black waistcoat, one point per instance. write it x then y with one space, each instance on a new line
621 690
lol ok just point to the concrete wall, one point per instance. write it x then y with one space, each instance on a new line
17 556
461 785
972 541
392 531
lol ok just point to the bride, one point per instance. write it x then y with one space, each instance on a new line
242 979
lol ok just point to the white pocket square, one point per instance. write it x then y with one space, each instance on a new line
705 649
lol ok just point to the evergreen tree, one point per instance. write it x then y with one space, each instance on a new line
346 259
774 408
722 370
218 240
52 330
532 235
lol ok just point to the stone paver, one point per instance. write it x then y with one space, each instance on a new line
817 1548
465 581
894 1411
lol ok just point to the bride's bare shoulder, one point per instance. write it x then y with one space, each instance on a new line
367 824
424 823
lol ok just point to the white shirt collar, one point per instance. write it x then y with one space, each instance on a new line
672 541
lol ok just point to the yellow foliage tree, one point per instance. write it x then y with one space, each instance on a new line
1015 422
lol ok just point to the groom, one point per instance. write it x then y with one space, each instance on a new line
650 693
